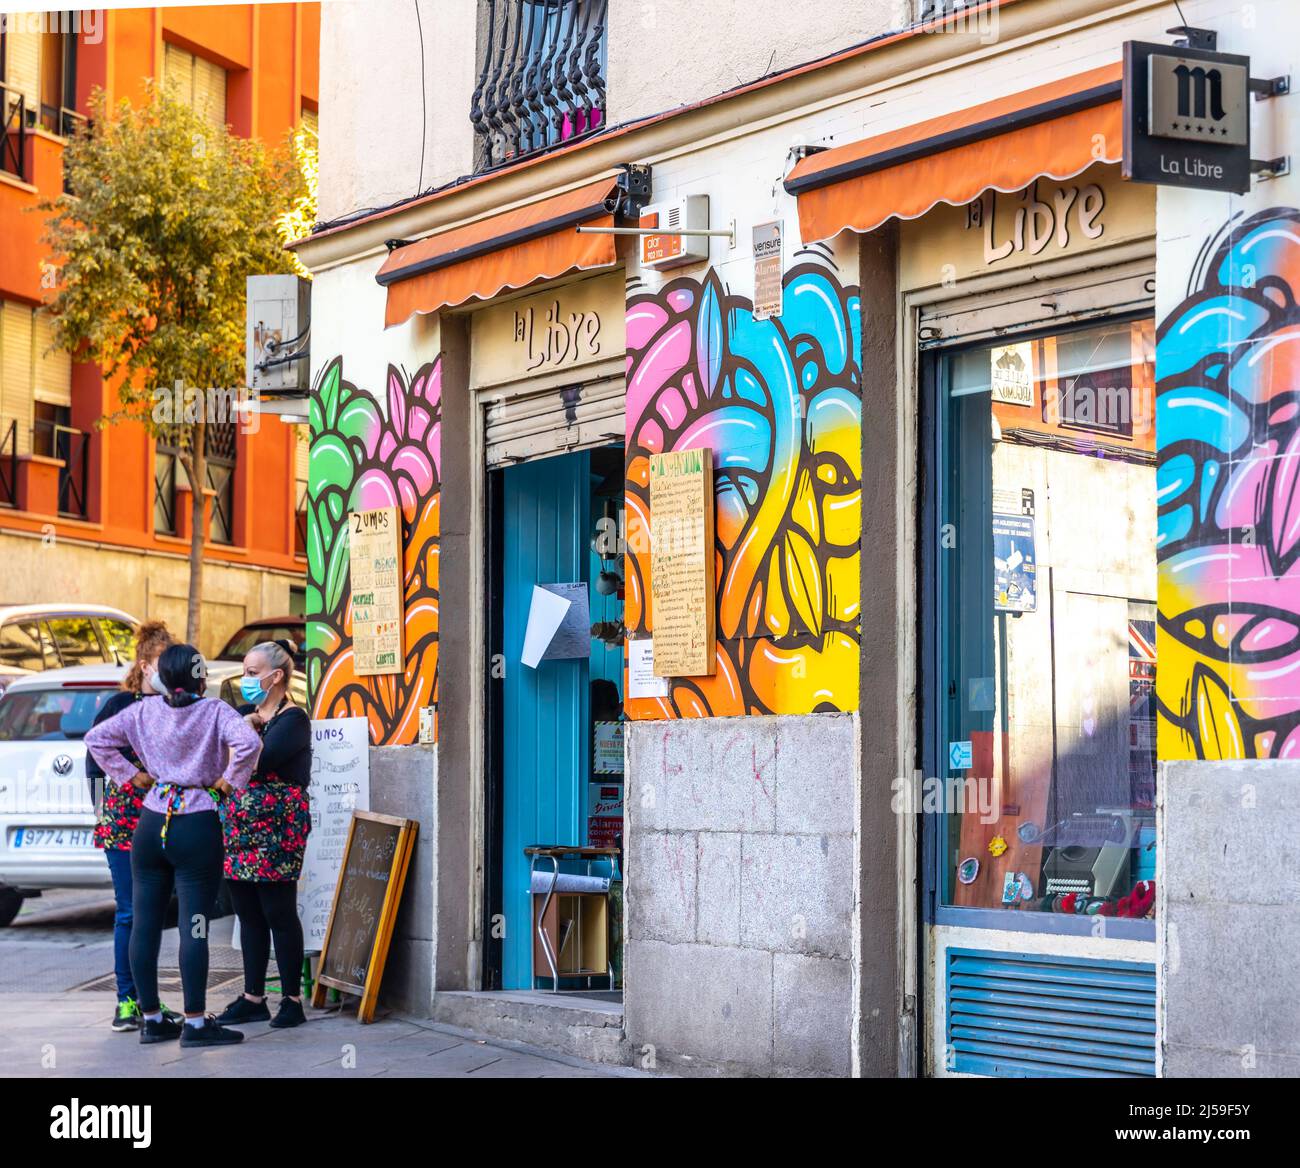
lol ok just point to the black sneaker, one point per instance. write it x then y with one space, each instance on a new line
211 1033
164 1030
241 1011
289 1014
128 1015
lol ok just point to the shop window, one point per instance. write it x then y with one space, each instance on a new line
1045 662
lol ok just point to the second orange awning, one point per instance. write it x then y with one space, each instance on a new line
1055 131
510 250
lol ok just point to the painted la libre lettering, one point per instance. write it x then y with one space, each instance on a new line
1037 221
555 337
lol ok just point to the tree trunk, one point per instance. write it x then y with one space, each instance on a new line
197 469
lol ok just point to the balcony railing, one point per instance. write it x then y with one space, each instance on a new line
927 10
13 148
73 447
541 81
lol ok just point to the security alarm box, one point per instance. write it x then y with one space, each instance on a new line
666 250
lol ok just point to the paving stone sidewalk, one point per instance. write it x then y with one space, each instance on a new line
58 1035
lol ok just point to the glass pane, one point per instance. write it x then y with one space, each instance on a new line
1047 578
76 640
23 647
120 638
49 714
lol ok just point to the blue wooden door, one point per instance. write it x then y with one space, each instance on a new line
545 756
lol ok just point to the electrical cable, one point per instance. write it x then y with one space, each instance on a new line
424 108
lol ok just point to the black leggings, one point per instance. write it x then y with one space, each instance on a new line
266 909
191 863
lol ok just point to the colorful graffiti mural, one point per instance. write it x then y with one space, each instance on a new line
362 458
779 403
1228 434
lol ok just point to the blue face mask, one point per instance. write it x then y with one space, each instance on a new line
251 690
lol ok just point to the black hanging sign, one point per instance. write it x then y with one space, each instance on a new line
1186 117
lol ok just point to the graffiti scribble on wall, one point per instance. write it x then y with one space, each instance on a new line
1228 428
779 403
362 459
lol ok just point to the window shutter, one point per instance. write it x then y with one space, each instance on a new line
16 371
210 91
53 374
178 75
23 63
302 454
311 121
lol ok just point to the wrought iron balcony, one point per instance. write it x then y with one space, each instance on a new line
72 446
13 144
541 81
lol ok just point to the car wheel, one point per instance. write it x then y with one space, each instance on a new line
11 900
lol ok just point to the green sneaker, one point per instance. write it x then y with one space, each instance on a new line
169 1014
127 1016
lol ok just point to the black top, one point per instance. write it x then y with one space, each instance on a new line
286 747
115 705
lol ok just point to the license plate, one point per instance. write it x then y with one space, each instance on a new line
62 838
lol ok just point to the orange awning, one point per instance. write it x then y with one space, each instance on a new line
510 250
1051 131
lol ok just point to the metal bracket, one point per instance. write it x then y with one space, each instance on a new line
1265 87
1268 168
1194 38
634 186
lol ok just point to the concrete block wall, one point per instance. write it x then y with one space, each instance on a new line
741 878
403 781
1229 918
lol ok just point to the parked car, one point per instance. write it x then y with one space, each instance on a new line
271 628
47 818
227 667
37 637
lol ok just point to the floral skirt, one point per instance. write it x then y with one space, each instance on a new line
265 828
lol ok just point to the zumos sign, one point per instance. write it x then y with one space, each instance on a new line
1186 117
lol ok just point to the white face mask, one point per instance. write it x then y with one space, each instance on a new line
156 682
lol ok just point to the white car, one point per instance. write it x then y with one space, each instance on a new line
47 817
36 637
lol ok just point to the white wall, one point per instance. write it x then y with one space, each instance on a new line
666 53
370 99
1229 905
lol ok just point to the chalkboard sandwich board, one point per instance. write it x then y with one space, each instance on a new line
366 897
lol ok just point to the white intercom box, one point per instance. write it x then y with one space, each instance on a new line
666 250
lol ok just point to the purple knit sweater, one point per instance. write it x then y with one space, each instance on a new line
189 747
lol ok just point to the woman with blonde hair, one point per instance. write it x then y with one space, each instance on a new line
119 812
266 827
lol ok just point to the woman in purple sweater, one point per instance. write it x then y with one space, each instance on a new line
193 750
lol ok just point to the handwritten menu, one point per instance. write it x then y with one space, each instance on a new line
681 563
340 785
375 554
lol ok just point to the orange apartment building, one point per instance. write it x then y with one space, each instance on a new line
102 515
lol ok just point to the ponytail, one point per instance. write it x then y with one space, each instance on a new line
184 672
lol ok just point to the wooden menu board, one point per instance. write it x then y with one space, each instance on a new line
682 581
366 897
375 560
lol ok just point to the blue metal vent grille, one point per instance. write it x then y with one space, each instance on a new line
1027 1015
